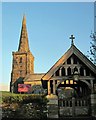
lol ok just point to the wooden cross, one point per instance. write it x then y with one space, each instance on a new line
72 38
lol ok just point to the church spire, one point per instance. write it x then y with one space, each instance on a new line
24 20
23 45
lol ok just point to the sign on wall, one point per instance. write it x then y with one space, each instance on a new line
24 87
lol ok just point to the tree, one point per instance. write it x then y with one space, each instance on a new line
92 51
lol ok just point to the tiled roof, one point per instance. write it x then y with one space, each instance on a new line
32 77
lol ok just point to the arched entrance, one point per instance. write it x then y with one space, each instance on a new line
73 98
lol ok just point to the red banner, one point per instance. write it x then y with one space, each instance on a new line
24 87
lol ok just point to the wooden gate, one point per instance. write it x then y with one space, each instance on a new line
74 107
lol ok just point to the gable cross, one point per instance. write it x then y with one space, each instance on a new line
72 38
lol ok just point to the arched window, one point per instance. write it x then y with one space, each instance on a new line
69 71
63 71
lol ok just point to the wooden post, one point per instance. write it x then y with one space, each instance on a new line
66 71
73 106
91 86
49 89
54 87
60 72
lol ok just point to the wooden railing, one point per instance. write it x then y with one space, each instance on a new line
69 102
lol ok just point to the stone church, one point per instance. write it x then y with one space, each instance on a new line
73 71
23 63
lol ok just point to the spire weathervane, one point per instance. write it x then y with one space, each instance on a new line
72 38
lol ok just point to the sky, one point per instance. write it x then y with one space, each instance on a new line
48 0
49 27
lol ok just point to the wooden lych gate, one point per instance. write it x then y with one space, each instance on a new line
73 98
75 72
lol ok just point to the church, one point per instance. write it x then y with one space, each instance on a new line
73 71
72 61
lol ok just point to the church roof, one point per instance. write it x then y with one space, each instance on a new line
33 77
72 50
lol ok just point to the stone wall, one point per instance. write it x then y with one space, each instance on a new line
93 104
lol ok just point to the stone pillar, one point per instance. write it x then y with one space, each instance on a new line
49 89
93 104
54 87
52 106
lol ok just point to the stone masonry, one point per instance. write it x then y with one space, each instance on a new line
23 60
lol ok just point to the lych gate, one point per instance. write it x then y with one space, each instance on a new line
72 82
73 98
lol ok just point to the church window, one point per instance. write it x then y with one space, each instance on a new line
21 60
82 71
63 71
57 73
69 71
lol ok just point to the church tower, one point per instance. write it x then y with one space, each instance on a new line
23 60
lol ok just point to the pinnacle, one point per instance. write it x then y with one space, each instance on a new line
24 20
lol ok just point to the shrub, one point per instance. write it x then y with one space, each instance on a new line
24 105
